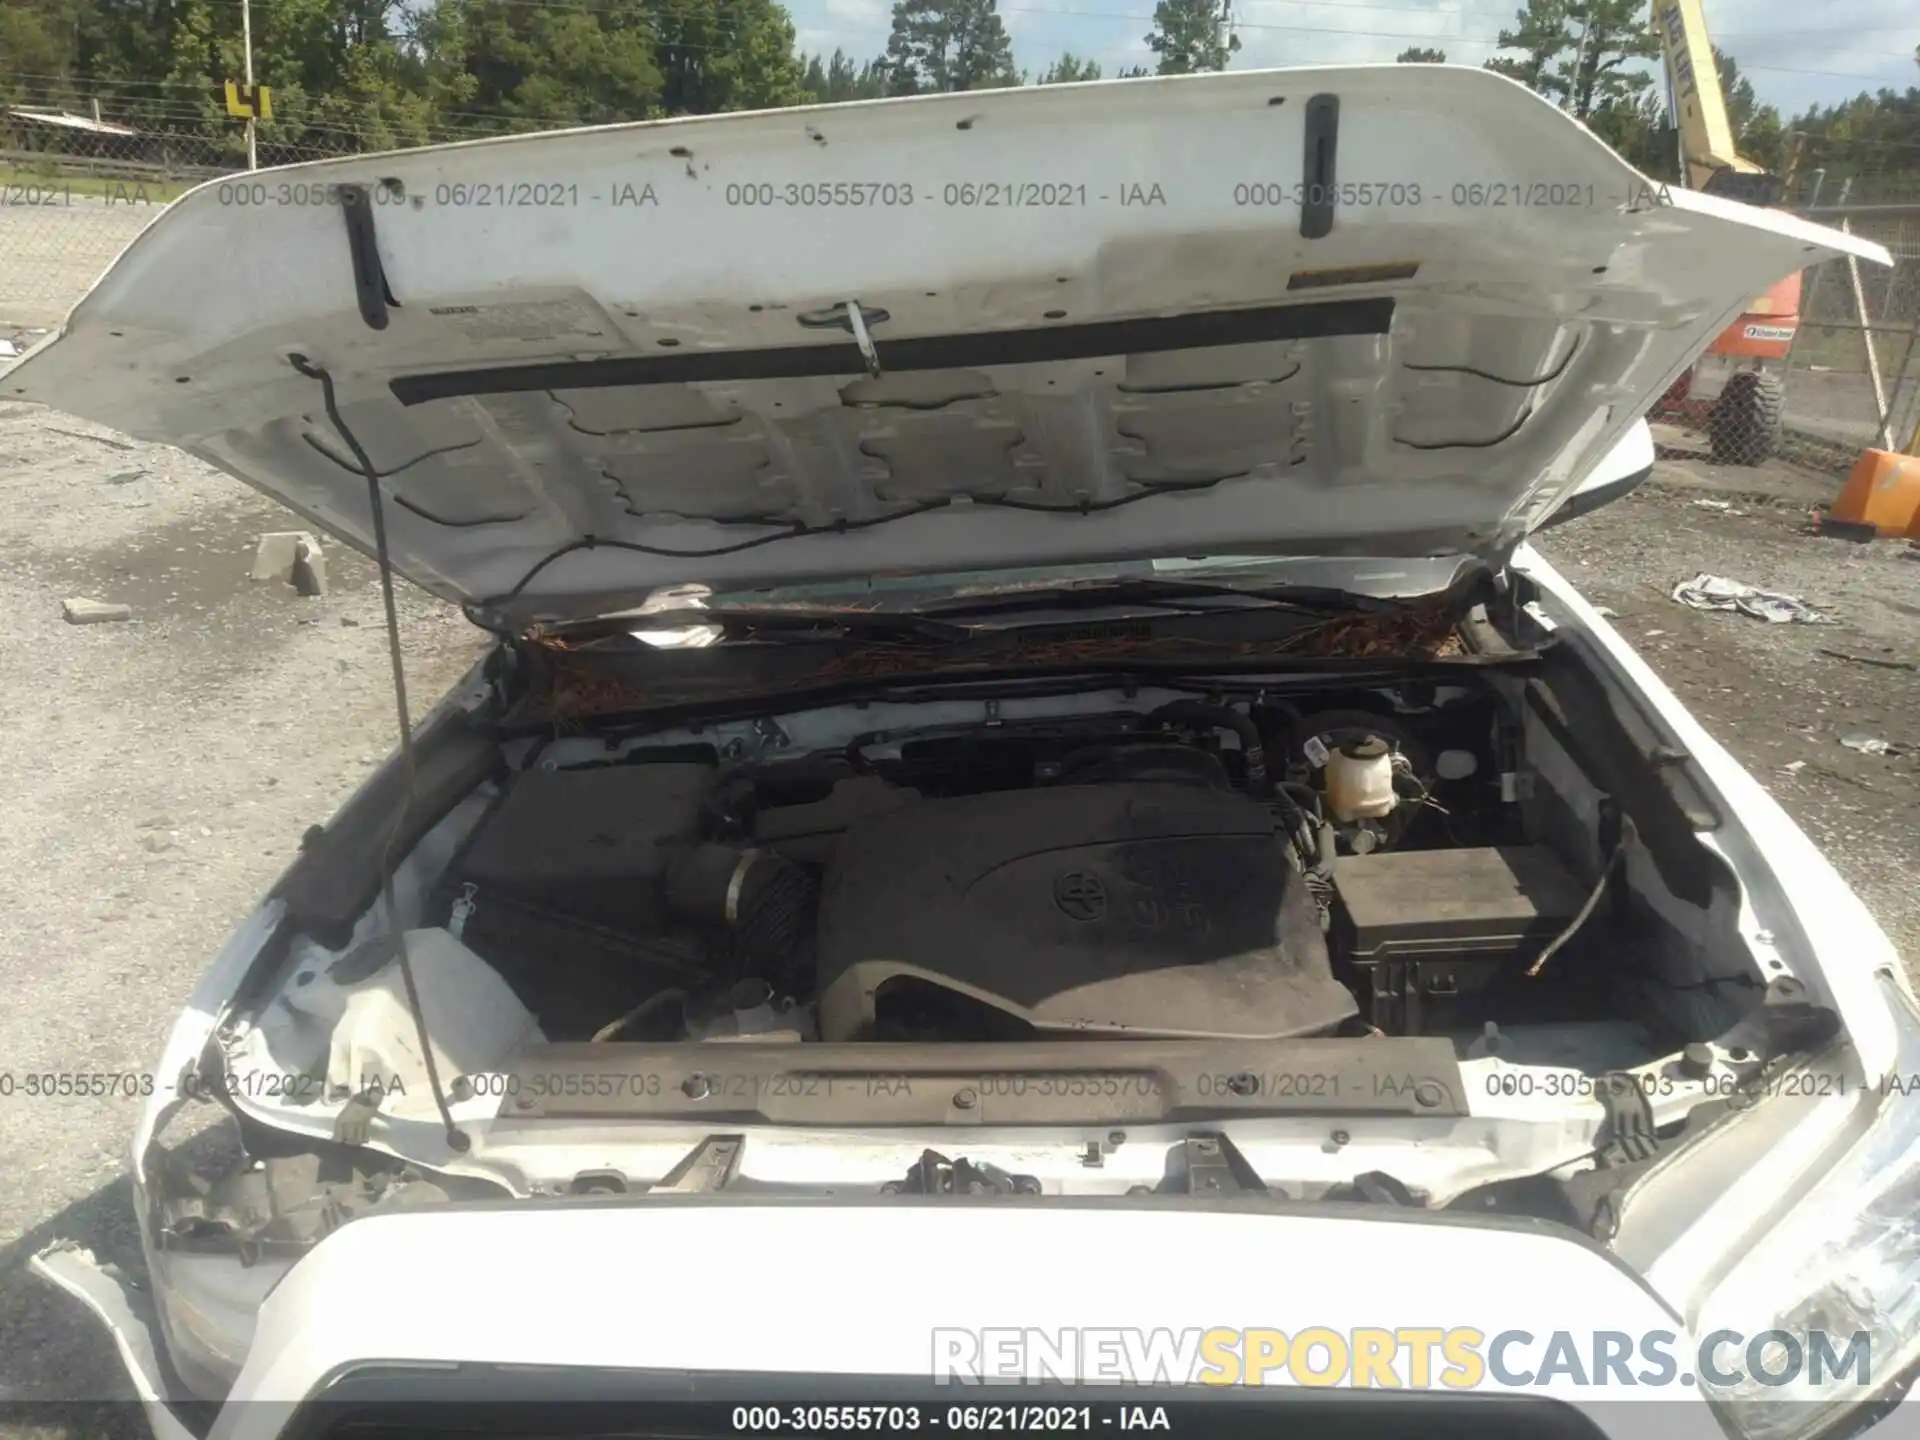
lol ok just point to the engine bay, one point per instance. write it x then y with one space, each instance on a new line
1443 928
1345 863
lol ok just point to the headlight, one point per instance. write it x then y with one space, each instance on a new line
1844 1264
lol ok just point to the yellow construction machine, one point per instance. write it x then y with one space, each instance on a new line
1743 420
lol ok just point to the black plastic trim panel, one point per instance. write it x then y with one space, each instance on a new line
1203 330
337 876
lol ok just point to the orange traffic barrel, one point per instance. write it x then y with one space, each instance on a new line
1883 491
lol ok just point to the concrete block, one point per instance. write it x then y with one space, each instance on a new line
292 556
81 611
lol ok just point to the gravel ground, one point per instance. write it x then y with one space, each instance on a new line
165 768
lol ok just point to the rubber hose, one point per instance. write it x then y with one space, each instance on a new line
1221 717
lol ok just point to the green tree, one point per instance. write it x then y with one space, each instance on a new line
716 55
340 73
1874 139
1642 131
539 67
1421 55
948 45
1190 36
1758 134
1580 53
836 79
1540 35
1609 36
39 43
1070 68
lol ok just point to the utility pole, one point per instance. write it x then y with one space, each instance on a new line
246 41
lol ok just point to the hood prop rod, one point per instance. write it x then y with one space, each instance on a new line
457 1140
863 338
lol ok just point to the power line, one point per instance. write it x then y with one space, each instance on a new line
680 9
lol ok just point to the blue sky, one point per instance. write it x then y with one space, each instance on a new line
1794 62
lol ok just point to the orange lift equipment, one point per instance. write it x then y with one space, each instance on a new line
1743 421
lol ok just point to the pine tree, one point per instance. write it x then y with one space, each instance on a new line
1070 68
948 45
1421 55
1758 134
1541 35
719 55
838 78
1609 35
1576 52
1190 36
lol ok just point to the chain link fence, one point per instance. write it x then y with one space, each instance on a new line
1845 378
1852 379
75 190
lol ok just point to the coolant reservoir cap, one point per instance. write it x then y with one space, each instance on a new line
1371 748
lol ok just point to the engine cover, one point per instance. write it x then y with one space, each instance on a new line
1149 908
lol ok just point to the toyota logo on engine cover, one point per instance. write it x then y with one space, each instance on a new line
1080 896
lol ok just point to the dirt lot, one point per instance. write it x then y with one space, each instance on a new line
165 768
163 772
1778 696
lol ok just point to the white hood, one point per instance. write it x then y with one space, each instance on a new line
1103 323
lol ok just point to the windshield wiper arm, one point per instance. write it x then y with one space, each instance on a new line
775 621
1185 595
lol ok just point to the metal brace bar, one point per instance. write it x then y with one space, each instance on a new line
709 1166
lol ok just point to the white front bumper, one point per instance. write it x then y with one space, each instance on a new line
881 1291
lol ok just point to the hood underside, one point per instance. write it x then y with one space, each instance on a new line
1370 310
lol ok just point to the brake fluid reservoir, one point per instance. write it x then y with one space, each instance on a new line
1360 781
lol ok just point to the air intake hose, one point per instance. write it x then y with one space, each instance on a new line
1200 715
762 903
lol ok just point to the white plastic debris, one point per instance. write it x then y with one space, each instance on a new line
1870 744
1713 505
1717 592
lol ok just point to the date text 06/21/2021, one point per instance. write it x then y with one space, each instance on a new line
1063 193
715 1085
971 1419
1300 1085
